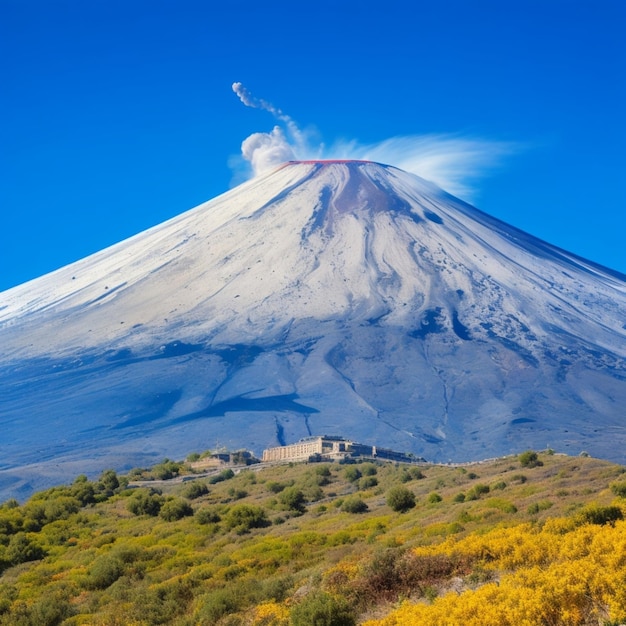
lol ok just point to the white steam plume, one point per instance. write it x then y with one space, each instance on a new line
267 150
453 162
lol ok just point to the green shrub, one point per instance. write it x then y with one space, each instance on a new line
226 474
367 482
519 478
536 507
159 604
293 499
195 489
166 470
104 571
207 515
84 492
352 474
413 473
354 504
476 491
416 473
323 609
313 493
243 517
275 487
218 604
60 507
34 516
502 504
53 608
175 509
22 549
529 459
9 524
596 514
499 485
368 469
460 497
434 497
107 483
405 477
145 502
619 489
277 587
400 499
237 494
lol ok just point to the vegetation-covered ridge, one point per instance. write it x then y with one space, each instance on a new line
531 539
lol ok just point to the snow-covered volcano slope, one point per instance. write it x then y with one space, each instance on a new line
344 298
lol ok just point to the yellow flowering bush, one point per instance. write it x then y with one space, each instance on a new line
270 614
569 577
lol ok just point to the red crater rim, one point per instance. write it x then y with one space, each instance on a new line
326 161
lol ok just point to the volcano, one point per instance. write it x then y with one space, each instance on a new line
327 297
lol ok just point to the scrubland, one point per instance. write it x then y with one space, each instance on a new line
537 538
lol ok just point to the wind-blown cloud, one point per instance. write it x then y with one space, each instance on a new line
454 162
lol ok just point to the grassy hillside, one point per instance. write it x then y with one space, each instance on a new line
533 539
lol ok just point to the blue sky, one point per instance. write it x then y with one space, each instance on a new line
116 115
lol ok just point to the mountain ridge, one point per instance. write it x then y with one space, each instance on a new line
384 308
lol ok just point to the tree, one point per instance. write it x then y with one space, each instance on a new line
293 499
84 491
109 480
107 483
400 499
